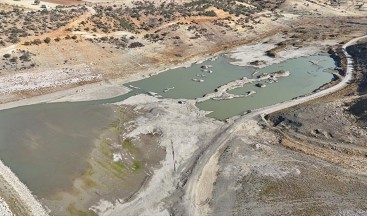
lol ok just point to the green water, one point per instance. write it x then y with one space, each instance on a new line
47 145
304 78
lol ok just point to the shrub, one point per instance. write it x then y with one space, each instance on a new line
6 55
14 59
270 53
47 40
25 57
37 42
136 44
104 38
209 13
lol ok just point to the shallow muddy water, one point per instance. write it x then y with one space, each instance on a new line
47 145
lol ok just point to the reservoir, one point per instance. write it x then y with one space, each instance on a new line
47 145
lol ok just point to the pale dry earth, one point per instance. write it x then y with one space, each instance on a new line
184 130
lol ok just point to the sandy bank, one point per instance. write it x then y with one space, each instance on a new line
94 91
34 81
185 130
25 195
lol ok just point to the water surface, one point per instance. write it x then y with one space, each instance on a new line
182 79
47 145
305 76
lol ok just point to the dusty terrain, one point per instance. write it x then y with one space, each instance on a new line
271 179
304 160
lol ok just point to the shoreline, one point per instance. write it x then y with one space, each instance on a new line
115 87
67 93
80 93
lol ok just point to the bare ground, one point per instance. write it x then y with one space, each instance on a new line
258 176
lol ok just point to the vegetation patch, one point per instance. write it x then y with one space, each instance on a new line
77 212
137 165
19 23
129 146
